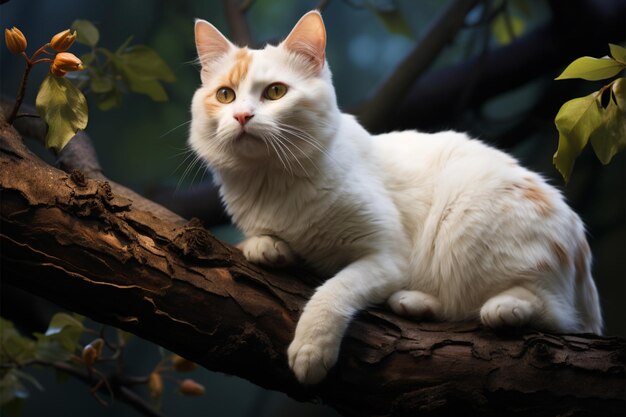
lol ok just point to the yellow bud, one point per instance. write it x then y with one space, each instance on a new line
183 365
67 62
62 40
92 352
155 384
191 387
15 40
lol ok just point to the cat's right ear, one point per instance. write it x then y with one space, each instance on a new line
210 44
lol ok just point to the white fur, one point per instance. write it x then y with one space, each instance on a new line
435 224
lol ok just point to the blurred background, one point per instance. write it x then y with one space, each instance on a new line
494 78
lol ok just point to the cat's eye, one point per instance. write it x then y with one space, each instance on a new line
275 91
225 95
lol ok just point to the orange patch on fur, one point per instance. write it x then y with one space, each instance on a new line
582 258
560 253
543 266
532 192
211 106
238 72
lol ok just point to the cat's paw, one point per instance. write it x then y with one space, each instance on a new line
506 311
415 304
267 250
311 362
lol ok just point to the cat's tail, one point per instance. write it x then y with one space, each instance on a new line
587 299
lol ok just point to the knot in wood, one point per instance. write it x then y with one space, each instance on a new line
194 240
541 352
78 178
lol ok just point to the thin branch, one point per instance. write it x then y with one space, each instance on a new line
240 31
384 101
112 387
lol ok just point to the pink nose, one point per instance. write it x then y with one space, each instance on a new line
243 117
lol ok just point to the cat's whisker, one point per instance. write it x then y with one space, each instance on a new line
271 143
281 139
302 152
174 128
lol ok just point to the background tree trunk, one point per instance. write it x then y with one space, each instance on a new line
89 248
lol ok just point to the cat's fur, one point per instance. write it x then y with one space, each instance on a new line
437 225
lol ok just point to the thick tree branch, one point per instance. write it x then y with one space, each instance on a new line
392 91
74 241
577 28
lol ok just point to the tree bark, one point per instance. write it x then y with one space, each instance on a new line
74 241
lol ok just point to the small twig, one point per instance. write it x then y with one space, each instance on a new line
21 92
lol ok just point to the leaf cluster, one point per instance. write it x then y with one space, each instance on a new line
57 344
111 74
599 118
100 362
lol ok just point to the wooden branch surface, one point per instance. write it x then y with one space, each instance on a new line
72 240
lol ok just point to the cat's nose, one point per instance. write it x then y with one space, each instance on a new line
243 117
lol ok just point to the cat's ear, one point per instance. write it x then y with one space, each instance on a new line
210 43
308 38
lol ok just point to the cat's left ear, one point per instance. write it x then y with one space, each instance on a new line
308 38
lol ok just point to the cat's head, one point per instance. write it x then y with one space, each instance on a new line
272 108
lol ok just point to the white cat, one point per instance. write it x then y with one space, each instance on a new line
439 226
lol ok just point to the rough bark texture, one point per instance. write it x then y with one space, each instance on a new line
72 240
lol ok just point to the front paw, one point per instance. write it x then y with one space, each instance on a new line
310 362
267 250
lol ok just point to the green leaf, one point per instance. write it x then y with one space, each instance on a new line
109 100
11 388
610 136
60 340
86 32
63 107
144 62
591 69
618 53
87 58
507 27
101 84
619 93
575 121
27 377
15 347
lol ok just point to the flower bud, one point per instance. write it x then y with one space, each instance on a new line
67 62
15 40
181 364
62 40
155 384
191 388
92 352
56 71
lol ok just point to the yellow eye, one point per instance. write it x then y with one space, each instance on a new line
275 91
225 95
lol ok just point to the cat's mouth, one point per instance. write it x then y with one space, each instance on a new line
246 136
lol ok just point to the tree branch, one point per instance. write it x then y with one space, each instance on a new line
240 31
430 99
443 28
73 241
